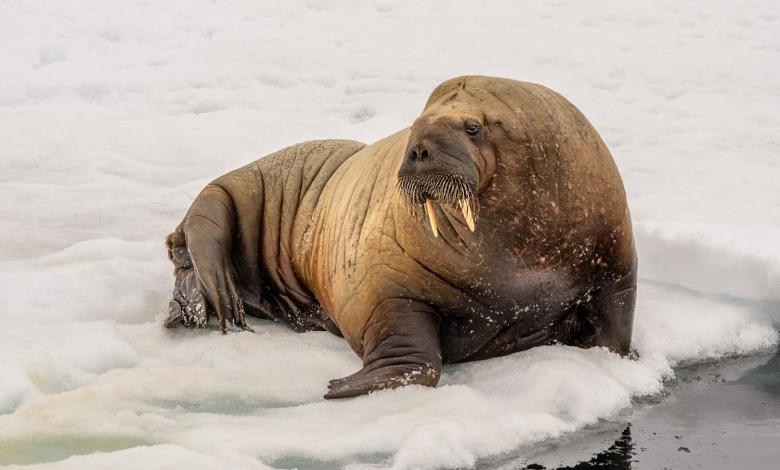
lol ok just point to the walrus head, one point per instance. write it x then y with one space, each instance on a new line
449 156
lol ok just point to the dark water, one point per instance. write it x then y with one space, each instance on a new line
618 456
721 415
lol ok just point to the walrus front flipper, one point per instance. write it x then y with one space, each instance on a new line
401 347
201 253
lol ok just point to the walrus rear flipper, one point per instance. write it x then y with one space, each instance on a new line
401 347
188 307
607 319
200 249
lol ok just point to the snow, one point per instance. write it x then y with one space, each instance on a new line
114 115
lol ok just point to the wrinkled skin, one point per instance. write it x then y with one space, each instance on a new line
336 235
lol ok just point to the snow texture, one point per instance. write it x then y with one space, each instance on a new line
114 114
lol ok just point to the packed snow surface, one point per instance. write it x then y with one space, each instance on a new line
114 114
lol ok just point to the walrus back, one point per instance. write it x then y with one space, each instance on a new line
573 196
274 198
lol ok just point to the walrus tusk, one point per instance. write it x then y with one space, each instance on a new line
432 217
465 207
470 219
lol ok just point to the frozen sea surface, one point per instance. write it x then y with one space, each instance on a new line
113 115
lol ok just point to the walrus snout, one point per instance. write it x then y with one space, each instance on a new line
437 169
424 184
435 155
418 153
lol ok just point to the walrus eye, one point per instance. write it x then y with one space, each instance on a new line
472 128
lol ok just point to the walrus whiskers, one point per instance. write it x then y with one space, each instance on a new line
421 191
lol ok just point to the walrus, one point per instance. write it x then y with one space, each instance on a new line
497 222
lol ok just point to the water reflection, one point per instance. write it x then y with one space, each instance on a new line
617 457
766 377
